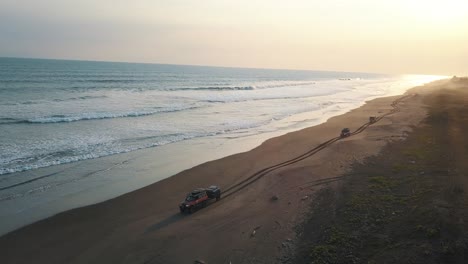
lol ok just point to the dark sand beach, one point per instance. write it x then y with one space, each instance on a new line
312 183
406 205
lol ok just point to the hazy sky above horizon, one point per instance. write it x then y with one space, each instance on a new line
399 36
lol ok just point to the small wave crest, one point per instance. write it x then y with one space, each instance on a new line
215 88
85 97
101 115
285 84
91 116
267 85
7 120
43 101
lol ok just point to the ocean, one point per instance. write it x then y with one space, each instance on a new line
60 111
74 133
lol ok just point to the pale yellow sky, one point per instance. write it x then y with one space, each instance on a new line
399 36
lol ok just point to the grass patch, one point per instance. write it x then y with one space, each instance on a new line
381 182
323 254
405 205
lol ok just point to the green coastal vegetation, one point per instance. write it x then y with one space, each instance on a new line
406 205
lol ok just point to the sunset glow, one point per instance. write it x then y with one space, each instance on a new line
439 11
419 36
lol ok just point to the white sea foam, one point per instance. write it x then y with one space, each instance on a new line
103 115
167 104
262 85
97 148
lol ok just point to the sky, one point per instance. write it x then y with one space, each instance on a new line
398 36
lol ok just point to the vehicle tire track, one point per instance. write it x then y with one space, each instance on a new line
261 173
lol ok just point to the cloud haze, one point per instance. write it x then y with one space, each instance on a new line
362 35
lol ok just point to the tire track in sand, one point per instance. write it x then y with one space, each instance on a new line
261 173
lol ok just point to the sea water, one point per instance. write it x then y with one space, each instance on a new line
74 133
58 111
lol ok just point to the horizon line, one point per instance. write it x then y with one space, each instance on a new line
212 66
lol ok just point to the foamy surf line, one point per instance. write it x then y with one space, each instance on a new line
327 109
77 158
233 133
79 120
167 139
90 116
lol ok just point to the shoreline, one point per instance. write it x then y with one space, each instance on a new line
145 225
407 204
67 186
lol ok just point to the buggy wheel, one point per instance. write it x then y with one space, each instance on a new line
218 198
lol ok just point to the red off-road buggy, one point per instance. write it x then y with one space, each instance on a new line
199 198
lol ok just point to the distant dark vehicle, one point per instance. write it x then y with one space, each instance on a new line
372 119
199 198
345 132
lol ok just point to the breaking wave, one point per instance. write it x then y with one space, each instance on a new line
243 88
91 116
215 88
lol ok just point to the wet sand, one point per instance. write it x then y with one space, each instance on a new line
145 226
